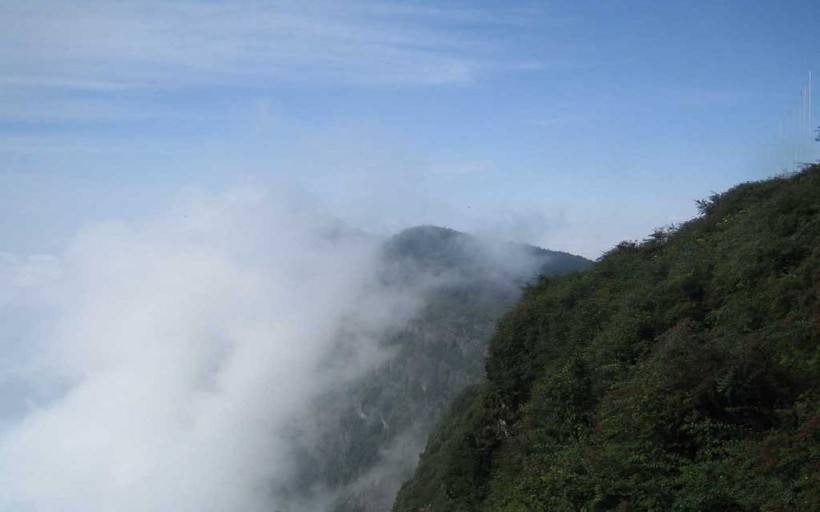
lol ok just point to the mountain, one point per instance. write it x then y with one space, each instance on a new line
366 435
425 250
679 373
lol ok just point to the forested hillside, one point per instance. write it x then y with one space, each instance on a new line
366 435
679 373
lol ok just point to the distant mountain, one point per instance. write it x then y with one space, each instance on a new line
370 432
435 250
680 373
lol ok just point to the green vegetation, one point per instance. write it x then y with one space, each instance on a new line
680 373
367 433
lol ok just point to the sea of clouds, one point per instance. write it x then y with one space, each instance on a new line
160 364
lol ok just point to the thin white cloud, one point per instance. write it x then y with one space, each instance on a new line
461 168
167 44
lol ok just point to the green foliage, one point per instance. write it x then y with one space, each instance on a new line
366 434
680 373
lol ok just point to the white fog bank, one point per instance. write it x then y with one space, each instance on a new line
158 365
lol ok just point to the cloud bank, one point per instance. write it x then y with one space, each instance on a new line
159 365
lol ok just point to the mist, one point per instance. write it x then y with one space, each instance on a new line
162 364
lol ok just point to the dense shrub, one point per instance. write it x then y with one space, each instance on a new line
679 373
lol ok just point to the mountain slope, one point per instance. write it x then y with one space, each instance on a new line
368 433
682 373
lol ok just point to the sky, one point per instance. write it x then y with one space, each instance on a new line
570 125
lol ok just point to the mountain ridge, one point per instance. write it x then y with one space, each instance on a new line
677 373
372 429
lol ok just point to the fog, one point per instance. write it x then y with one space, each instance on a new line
160 364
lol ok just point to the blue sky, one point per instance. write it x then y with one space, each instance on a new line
572 125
